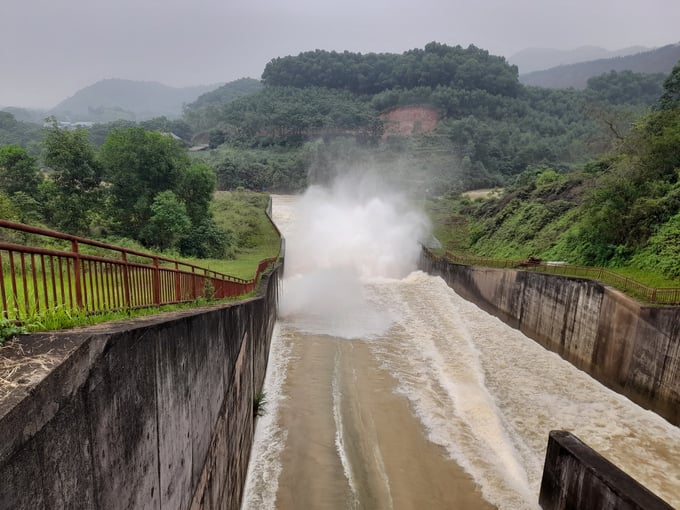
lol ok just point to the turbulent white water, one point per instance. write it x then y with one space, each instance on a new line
482 390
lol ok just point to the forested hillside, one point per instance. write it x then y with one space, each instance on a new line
660 60
538 59
200 112
437 64
491 126
15 132
26 114
622 209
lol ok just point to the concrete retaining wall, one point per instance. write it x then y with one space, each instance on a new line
148 413
577 477
631 348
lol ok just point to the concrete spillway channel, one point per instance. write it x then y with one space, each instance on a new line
394 392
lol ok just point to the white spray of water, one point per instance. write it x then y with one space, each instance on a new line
352 231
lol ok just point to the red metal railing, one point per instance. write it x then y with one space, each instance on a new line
34 280
655 295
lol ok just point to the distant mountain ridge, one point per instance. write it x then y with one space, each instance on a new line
115 99
226 93
538 59
660 60
25 114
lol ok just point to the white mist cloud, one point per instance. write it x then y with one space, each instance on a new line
354 231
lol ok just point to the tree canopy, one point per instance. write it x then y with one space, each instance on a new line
24 134
139 164
626 87
621 209
18 170
71 192
670 99
436 64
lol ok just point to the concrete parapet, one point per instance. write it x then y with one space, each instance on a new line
152 412
632 348
575 477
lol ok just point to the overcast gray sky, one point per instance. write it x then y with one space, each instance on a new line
51 48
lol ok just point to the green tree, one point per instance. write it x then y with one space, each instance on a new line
24 134
168 221
72 159
7 210
76 176
670 99
138 165
18 171
28 208
197 184
206 239
626 87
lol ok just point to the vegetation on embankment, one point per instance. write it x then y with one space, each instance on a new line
621 210
242 216
139 186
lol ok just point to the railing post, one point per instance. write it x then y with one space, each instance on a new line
156 282
126 280
76 273
5 312
178 286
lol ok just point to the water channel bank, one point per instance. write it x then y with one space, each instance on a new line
632 348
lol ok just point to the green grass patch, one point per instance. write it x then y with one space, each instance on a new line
449 226
243 214
63 318
648 278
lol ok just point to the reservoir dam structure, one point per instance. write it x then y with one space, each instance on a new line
387 390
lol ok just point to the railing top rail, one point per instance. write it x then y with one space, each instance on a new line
36 278
91 242
652 294
68 237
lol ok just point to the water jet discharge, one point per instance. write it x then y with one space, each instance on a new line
386 390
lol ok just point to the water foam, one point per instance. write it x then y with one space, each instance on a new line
437 367
490 395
